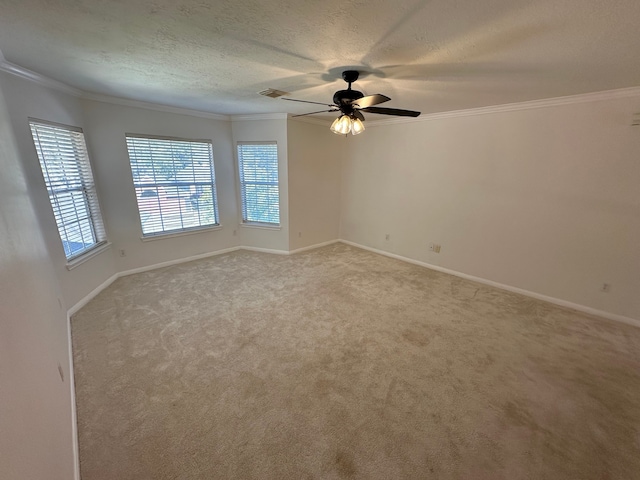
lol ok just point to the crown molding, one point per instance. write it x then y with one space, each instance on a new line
152 106
512 107
259 116
25 73
30 75
314 121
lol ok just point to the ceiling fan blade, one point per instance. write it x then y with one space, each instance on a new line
370 100
306 101
358 114
391 111
313 113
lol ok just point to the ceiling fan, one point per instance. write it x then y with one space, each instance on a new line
351 104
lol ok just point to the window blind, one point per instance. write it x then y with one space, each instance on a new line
258 170
174 180
67 174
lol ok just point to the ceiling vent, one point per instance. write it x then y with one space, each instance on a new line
272 93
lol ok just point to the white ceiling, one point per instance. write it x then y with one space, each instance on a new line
427 55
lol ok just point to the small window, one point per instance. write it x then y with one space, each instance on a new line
258 170
175 183
67 174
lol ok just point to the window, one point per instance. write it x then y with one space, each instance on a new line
67 174
175 184
258 169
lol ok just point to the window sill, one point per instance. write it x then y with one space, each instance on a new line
261 226
163 236
97 250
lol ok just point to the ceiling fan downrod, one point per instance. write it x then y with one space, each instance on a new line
344 98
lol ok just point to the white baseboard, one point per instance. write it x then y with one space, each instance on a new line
509 288
155 266
313 247
74 414
290 252
502 286
177 261
87 298
264 250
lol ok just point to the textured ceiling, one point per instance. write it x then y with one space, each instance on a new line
428 55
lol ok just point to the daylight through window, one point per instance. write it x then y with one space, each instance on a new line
258 169
174 181
67 174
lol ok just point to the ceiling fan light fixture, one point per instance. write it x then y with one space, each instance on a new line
357 126
351 103
342 125
334 126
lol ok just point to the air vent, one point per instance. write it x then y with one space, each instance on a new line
273 93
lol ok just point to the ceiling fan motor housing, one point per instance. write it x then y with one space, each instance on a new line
349 103
343 98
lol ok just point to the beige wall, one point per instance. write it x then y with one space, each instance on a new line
27 99
315 156
259 130
545 200
107 125
36 439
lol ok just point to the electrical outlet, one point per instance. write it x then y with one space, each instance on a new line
235 232
387 236
606 287
434 247
123 253
299 234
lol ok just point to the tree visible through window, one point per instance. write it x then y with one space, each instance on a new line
258 170
174 181
67 174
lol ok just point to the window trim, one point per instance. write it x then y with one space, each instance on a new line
249 223
93 206
179 231
190 231
88 255
261 226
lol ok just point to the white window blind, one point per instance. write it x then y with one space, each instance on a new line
258 169
67 174
174 181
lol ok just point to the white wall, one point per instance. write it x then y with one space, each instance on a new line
27 99
105 126
265 130
108 124
35 403
315 156
545 199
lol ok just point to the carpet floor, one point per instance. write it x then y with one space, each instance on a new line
340 363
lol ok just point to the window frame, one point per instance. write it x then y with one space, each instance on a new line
87 186
241 190
175 184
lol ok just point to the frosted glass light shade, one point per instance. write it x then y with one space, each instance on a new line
334 126
357 127
344 125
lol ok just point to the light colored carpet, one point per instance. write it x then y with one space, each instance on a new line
340 363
